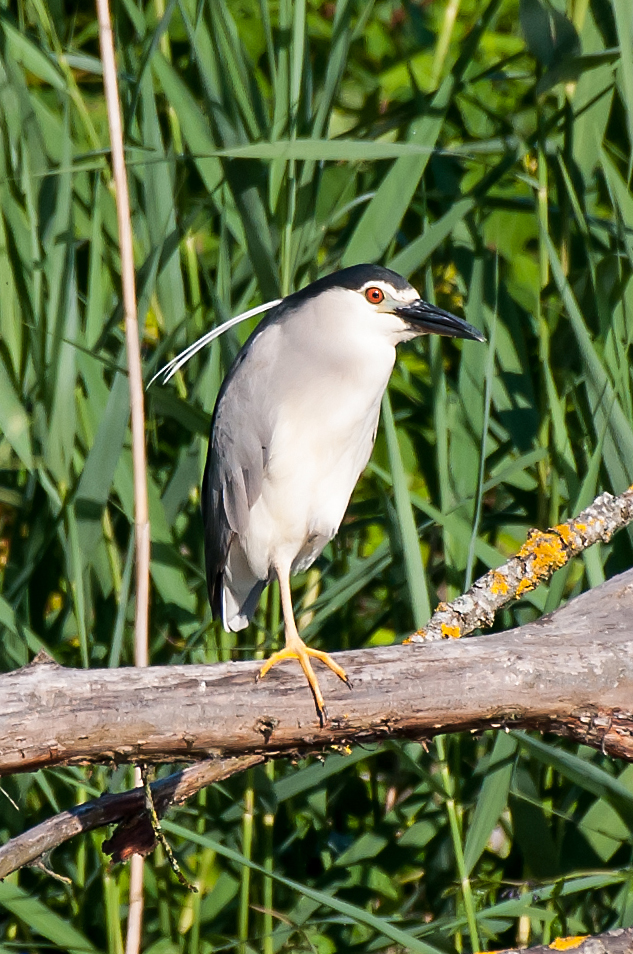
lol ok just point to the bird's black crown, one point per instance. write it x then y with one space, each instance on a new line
353 277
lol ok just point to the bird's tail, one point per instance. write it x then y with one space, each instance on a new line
240 589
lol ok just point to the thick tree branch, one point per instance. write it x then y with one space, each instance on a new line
570 673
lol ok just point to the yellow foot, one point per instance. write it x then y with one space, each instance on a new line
297 649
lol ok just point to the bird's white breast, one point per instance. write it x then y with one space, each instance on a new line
326 412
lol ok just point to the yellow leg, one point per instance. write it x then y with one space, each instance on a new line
295 648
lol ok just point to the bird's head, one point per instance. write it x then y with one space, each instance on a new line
384 292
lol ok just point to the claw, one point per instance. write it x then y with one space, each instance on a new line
296 649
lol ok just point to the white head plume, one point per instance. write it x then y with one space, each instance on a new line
170 369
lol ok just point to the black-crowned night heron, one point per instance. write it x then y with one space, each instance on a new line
293 427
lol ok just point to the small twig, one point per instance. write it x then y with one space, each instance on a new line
541 555
114 808
159 834
41 864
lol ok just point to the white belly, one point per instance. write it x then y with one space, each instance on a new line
321 443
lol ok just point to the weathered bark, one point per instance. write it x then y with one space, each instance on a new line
537 560
618 941
569 673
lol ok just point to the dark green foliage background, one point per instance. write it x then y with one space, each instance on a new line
484 151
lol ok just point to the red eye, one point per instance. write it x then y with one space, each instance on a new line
375 295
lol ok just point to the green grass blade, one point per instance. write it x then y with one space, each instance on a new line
415 572
582 772
381 926
43 921
14 422
100 465
491 800
419 250
381 219
624 28
619 445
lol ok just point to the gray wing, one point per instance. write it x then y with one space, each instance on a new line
238 451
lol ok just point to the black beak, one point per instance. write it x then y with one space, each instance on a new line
431 320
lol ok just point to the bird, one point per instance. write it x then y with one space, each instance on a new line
293 428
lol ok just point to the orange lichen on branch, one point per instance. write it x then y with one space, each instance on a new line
566 534
450 632
568 943
543 552
419 633
541 555
525 586
499 584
